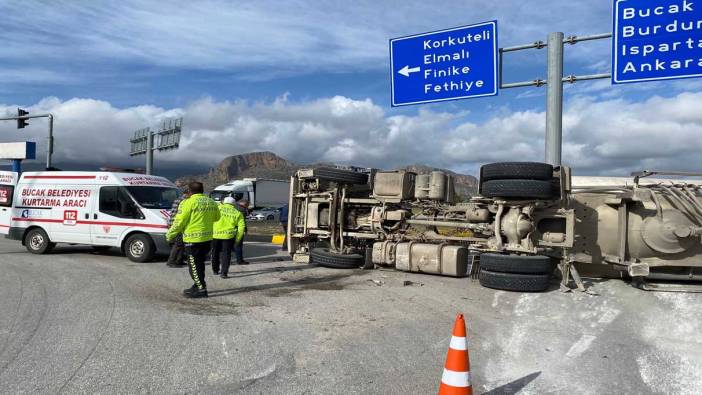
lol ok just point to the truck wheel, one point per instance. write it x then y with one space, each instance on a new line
328 258
516 171
514 282
341 176
139 248
37 241
521 189
519 264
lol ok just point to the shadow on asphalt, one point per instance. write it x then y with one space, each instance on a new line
277 269
326 283
515 386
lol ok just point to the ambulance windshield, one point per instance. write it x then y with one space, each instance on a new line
154 197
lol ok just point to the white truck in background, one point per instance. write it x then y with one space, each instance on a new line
260 192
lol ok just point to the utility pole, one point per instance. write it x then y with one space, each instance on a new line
22 118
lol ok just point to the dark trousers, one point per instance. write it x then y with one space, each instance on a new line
285 231
239 250
196 253
177 251
222 253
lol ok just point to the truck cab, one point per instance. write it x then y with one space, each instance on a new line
260 192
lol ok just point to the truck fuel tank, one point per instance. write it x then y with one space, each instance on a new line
447 260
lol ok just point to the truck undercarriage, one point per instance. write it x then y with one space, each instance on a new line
528 220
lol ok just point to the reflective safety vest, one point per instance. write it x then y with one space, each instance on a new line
231 223
195 219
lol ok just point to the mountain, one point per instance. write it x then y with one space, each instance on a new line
270 165
466 185
253 164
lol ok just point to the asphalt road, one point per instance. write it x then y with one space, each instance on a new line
78 322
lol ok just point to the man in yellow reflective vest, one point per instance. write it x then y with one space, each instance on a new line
195 219
227 231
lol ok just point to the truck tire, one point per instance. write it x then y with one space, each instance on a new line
340 176
514 282
327 258
516 171
139 248
37 241
520 189
517 264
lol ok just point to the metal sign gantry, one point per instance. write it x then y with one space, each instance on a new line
168 137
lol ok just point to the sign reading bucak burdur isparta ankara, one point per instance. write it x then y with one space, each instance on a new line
656 40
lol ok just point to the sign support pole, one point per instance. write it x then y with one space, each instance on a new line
50 143
554 99
554 81
149 152
17 165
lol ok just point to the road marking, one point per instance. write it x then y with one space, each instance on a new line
269 370
579 347
496 298
224 348
609 316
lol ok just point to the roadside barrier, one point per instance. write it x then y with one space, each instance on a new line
278 239
456 377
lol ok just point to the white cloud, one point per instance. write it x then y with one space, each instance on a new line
601 137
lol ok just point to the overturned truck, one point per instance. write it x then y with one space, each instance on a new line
527 220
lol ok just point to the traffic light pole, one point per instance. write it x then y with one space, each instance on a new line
49 140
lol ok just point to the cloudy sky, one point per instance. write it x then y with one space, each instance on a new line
309 80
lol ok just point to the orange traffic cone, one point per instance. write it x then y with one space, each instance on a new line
456 377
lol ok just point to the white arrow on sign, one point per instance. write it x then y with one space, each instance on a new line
407 70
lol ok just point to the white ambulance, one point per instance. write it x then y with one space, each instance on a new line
102 209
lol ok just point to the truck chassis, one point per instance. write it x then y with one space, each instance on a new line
528 220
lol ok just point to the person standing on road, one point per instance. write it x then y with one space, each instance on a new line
284 224
195 220
177 256
243 207
227 231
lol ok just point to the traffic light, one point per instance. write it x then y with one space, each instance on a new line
21 123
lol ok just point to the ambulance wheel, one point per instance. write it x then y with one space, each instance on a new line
37 241
139 248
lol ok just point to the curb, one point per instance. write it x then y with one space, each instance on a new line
275 238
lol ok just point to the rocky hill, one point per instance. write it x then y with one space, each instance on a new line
466 185
270 165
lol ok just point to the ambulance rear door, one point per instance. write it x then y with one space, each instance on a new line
8 181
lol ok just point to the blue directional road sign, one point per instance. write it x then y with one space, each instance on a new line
656 40
448 64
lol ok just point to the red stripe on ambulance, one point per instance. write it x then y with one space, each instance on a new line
127 224
59 177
